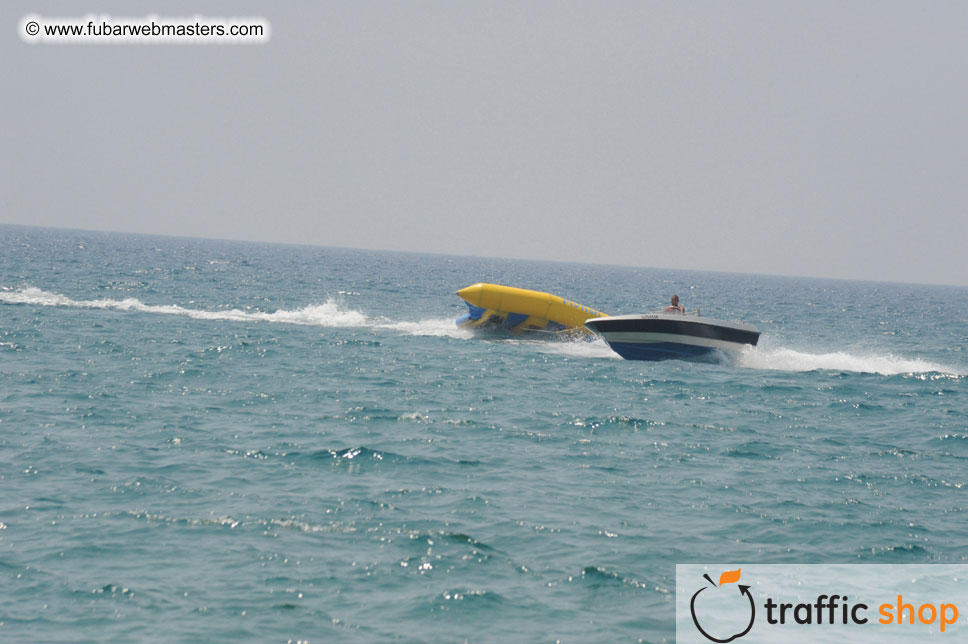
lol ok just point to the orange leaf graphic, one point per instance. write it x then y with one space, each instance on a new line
729 577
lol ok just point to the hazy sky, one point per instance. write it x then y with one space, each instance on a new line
804 138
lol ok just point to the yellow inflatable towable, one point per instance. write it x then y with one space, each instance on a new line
519 309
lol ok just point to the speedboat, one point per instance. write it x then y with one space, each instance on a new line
515 310
668 336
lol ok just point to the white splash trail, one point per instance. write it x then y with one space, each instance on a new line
328 314
780 358
783 359
436 328
580 348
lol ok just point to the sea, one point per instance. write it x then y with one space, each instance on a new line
223 441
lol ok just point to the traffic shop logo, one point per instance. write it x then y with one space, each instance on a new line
729 596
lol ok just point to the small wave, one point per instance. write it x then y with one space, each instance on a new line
621 422
112 590
343 456
598 576
289 523
223 521
415 417
302 526
783 359
354 458
475 596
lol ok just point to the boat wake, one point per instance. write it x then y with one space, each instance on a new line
783 359
329 314
778 358
580 348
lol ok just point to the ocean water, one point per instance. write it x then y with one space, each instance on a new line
224 441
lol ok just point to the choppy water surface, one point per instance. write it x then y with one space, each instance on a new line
224 441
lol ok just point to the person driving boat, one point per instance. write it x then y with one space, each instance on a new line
675 307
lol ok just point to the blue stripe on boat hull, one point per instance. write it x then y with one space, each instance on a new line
660 350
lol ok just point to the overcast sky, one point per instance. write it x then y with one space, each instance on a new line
801 138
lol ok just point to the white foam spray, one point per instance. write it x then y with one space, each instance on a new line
780 359
580 348
437 328
328 314
784 359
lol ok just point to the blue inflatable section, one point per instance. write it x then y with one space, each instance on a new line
514 319
473 313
